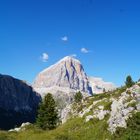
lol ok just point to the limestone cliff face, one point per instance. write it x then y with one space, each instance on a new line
65 76
98 85
18 102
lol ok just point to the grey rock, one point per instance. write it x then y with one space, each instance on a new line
66 76
120 112
88 118
98 85
21 128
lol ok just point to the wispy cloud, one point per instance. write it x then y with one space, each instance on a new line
84 50
44 57
64 38
73 55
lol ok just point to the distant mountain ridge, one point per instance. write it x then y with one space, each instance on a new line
99 86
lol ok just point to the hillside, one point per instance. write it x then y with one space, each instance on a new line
18 102
110 116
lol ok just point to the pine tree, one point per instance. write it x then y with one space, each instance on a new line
47 113
78 97
129 82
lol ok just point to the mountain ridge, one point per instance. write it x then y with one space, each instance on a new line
18 102
67 73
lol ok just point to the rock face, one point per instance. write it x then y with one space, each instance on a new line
18 102
120 112
66 76
98 85
124 107
113 108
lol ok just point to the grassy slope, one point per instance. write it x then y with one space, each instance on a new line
77 129
74 129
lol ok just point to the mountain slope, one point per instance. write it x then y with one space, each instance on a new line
110 116
98 85
66 76
18 102
116 106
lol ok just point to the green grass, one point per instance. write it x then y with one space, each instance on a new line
74 129
133 104
78 129
111 94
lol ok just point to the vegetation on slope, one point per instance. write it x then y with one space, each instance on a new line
132 132
77 129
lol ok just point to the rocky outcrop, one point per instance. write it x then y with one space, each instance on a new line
123 108
66 76
21 128
18 102
113 108
120 112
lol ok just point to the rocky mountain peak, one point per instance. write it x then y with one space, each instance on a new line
67 76
68 61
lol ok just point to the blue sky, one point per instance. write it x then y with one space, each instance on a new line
107 32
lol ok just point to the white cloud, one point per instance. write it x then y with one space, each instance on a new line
44 57
64 38
84 50
73 55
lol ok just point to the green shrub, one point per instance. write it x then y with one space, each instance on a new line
133 104
129 82
107 106
128 92
78 97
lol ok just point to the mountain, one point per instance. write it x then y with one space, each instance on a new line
66 76
98 85
18 102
